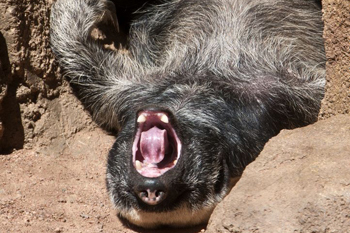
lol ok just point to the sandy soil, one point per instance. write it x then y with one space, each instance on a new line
57 193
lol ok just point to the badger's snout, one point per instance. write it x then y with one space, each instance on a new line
151 191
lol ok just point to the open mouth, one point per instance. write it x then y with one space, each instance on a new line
156 148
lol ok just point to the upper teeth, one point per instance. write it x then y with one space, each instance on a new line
141 119
164 118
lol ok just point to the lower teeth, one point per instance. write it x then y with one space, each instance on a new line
138 165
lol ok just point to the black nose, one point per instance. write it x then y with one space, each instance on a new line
151 191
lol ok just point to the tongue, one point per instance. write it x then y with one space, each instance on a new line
153 144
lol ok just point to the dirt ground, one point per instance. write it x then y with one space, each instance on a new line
57 193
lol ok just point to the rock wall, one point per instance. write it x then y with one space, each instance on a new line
336 17
34 98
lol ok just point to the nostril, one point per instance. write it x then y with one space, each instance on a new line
152 197
159 193
143 194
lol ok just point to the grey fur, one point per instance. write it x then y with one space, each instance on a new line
232 73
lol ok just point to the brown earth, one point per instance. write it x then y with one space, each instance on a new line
53 164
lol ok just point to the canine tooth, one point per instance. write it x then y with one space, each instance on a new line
138 165
141 118
164 118
175 162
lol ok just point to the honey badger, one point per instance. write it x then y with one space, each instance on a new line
196 92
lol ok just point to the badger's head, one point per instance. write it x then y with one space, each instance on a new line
171 165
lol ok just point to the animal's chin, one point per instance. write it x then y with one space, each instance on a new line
156 147
178 218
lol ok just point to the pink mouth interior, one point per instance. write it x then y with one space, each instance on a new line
156 147
153 145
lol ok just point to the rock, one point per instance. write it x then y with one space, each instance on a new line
336 17
299 183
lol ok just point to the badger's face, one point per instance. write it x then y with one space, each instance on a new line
168 167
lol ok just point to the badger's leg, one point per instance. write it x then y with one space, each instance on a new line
102 78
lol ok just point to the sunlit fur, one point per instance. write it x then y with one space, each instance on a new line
232 73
